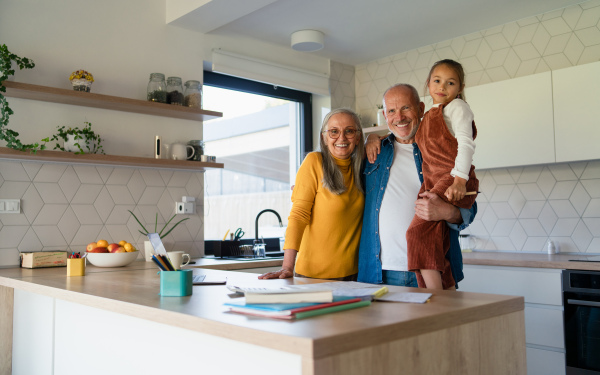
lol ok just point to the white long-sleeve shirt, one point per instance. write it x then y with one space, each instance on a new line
459 117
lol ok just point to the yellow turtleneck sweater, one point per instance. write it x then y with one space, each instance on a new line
324 227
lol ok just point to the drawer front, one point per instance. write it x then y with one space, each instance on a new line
536 285
545 362
544 327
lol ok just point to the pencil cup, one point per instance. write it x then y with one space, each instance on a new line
176 283
75 267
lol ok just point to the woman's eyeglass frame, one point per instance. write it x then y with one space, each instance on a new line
349 133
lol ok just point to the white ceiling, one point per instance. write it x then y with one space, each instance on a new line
356 31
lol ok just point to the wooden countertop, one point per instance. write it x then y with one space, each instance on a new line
556 261
133 290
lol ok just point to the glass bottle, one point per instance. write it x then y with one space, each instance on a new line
157 88
193 94
174 91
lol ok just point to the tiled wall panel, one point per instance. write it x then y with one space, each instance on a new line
67 206
520 208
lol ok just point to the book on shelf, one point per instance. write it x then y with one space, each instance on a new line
296 310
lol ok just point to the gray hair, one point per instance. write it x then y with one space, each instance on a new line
414 93
333 180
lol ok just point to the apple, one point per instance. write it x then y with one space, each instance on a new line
112 247
99 250
120 249
91 246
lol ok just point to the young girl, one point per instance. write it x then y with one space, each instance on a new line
445 138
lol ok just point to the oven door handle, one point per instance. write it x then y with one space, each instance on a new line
583 303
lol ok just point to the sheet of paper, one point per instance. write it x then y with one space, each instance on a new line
354 292
405 297
336 285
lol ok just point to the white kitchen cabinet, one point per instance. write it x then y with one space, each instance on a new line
542 290
514 122
576 112
545 362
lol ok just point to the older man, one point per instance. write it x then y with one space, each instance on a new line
392 182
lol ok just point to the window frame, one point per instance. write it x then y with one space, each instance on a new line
253 87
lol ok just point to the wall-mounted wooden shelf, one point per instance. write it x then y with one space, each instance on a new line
131 161
88 99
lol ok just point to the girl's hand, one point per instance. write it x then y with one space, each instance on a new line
373 147
457 191
281 274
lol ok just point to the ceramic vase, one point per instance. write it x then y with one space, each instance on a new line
148 251
69 144
380 118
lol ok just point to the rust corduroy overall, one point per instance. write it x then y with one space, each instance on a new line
429 241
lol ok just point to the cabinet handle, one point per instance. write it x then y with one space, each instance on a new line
583 303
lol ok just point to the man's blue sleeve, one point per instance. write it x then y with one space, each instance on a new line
468 215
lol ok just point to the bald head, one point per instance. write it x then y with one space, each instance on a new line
403 110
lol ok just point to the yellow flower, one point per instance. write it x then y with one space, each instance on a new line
79 74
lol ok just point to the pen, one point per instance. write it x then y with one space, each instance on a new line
158 263
225 236
161 263
472 192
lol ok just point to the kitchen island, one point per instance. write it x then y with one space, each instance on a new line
113 321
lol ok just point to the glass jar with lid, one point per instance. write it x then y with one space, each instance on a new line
193 94
198 146
157 88
174 91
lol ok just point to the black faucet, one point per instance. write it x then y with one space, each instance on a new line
256 222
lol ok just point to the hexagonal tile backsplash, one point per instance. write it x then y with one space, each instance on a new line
519 208
65 207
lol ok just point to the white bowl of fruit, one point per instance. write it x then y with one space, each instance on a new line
103 254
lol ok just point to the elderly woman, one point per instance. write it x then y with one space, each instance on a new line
328 200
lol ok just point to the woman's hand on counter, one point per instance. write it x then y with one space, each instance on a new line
287 268
281 274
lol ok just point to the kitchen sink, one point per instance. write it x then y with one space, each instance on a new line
229 249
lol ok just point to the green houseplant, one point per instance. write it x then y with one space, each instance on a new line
6 134
84 137
160 234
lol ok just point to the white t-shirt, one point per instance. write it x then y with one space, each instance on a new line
459 117
394 215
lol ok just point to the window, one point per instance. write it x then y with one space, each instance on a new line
262 138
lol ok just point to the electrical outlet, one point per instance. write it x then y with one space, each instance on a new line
184 208
10 206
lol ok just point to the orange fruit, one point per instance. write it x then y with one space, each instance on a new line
121 243
102 243
129 247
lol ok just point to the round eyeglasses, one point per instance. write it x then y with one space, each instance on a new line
335 133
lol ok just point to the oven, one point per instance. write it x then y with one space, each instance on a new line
581 298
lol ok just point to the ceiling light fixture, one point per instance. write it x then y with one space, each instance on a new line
307 40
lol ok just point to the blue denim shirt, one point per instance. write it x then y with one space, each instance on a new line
375 179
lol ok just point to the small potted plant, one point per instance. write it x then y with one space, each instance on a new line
147 245
81 80
75 139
